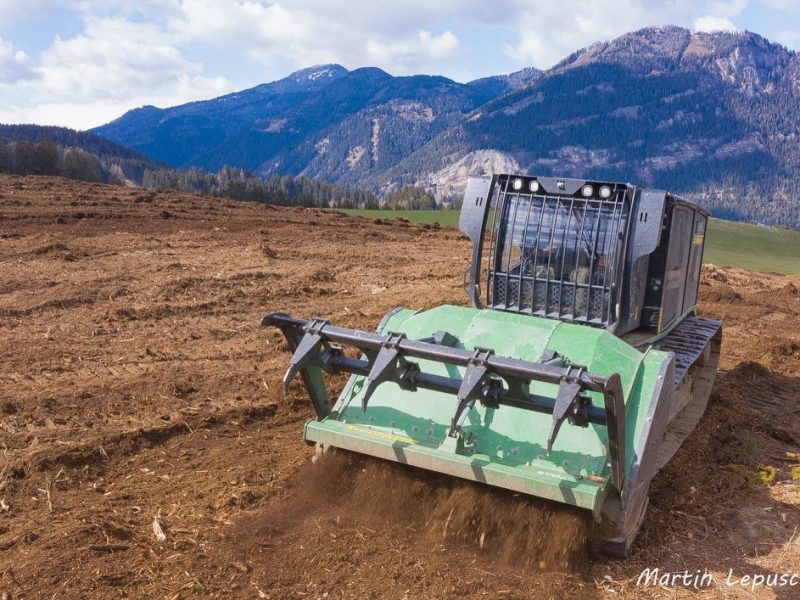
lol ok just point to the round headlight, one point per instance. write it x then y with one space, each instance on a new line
533 186
587 191
517 184
605 192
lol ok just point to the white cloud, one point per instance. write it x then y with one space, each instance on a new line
709 23
85 113
405 55
77 115
790 6
113 58
394 36
15 65
549 31
790 39
114 65
725 8
13 11
152 51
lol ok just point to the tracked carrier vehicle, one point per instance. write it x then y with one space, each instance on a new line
577 371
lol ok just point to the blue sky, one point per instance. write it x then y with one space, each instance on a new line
84 63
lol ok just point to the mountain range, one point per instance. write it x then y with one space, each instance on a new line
714 116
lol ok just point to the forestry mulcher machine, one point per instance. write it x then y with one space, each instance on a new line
576 373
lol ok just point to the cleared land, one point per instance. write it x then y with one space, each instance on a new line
729 244
136 386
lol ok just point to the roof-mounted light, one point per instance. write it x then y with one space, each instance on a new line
533 186
587 191
517 184
605 192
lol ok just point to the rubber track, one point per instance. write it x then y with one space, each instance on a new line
688 341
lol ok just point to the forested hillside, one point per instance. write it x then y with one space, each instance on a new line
710 115
37 150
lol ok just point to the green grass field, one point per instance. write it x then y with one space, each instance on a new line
728 244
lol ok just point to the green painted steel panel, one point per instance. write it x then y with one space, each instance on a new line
508 444
544 482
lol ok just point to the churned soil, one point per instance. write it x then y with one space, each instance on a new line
148 452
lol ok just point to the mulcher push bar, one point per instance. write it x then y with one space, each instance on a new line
387 360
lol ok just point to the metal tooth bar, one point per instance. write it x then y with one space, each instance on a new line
517 374
568 392
471 387
307 351
311 376
384 366
502 365
448 385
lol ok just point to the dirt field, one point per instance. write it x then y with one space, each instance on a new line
136 385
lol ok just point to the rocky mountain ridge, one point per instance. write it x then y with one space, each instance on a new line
710 115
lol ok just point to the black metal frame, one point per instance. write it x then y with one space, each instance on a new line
492 380
551 296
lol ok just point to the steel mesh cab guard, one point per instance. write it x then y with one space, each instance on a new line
589 233
585 320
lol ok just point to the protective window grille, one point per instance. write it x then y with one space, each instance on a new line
556 256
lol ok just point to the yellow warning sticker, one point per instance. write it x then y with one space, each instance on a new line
698 239
384 434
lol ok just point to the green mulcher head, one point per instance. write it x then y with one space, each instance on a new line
548 404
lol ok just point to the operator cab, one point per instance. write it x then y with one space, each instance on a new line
605 254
